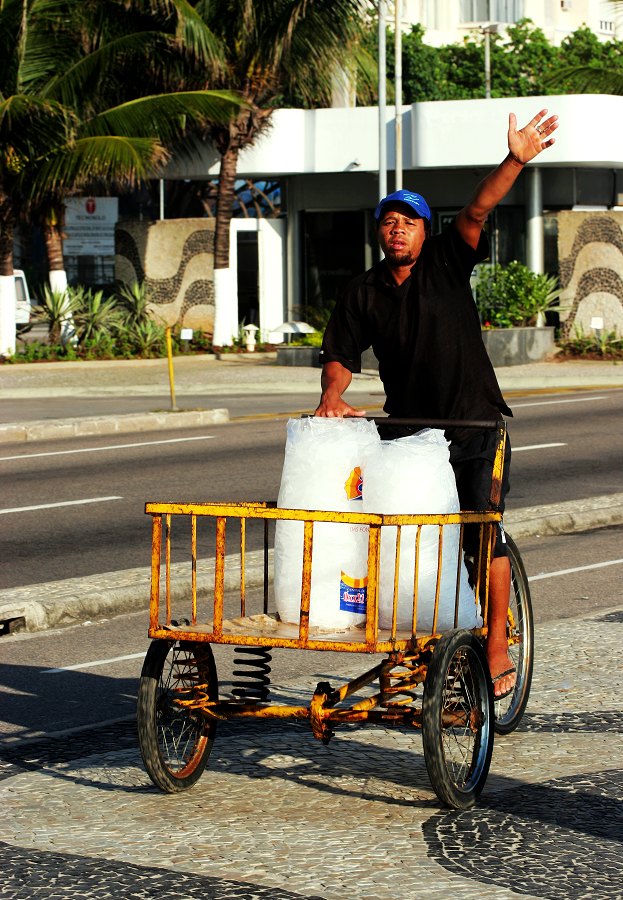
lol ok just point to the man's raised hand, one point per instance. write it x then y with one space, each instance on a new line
527 142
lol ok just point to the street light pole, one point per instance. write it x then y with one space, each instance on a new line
382 105
488 29
398 91
487 64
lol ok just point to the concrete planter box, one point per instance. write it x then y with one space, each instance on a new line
298 356
516 346
505 346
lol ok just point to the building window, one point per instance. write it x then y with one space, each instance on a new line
333 253
491 10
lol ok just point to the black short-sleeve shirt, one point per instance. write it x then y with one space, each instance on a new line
425 334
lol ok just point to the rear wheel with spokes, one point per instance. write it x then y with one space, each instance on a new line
520 628
175 742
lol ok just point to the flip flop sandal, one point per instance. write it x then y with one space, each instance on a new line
511 671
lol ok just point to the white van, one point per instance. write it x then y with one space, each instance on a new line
23 306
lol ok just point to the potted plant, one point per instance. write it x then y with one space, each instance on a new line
512 302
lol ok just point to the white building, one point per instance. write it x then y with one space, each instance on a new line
449 21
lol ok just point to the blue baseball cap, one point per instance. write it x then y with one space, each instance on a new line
415 201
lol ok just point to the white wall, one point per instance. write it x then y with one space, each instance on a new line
440 134
271 274
473 132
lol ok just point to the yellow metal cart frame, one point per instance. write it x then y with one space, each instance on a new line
179 705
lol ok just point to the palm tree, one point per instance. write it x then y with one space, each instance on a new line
591 78
57 136
269 49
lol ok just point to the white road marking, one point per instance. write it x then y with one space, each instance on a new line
94 664
556 402
17 509
202 437
536 447
600 565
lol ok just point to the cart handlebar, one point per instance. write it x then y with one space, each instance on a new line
491 424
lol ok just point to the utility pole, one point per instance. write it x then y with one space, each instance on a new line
382 104
398 91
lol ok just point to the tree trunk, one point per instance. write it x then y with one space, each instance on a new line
7 231
225 293
225 207
7 279
229 140
53 239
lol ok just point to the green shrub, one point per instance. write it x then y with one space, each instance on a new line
57 309
605 345
513 295
95 316
133 303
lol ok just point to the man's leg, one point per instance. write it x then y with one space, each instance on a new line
497 644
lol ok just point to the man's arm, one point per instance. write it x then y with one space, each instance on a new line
334 381
523 145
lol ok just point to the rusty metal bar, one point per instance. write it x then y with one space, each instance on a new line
265 566
219 575
167 574
372 599
416 576
396 581
193 552
403 644
438 584
308 546
156 550
498 467
459 563
225 710
237 510
243 547
340 694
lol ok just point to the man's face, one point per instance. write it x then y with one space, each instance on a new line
401 234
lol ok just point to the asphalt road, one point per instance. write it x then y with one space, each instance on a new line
76 507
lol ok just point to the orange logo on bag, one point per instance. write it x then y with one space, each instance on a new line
354 582
354 485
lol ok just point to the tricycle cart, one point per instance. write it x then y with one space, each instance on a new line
435 681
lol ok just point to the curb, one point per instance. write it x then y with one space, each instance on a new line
565 518
37 607
82 426
76 600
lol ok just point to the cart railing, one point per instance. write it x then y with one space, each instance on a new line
204 614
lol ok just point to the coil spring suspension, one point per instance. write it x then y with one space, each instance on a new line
252 665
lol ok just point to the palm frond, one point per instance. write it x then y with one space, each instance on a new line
107 158
588 80
29 122
192 31
166 115
88 75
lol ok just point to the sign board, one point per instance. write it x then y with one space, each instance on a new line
90 226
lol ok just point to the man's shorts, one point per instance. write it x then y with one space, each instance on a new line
473 467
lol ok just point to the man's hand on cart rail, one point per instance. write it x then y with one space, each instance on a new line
335 379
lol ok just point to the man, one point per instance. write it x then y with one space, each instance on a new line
415 309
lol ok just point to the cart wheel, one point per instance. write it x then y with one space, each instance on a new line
508 712
175 743
457 719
